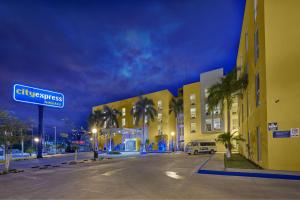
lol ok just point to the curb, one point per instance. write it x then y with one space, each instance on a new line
250 174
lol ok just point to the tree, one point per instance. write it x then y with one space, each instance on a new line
224 92
10 133
227 139
96 119
144 110
109 120
176 106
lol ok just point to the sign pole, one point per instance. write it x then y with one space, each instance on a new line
40 132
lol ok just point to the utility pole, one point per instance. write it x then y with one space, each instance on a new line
22 142
55 138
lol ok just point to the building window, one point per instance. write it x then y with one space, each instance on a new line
193 99
255 10
256 45
123 112
193 113
258 138
193 127
123 122
246 42
133 120
217 110
206 109
242 113
159 117
217 123
159 105
206 94
159 128
257 89
208 125
235 124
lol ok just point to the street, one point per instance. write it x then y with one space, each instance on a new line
159 176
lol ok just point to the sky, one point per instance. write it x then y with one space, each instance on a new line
95 52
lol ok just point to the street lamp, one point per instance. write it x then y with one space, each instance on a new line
172 134
95 131
36 140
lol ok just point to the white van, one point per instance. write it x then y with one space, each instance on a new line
196 147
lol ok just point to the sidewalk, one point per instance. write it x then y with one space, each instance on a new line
215 165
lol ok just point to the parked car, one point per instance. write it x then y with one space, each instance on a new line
196 147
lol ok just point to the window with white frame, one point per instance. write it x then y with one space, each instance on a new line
123 122
246 42
217 124
206 94
123 112
159 104
256 45
257 89
159 117
208 124
217 110
133 120
193 127
207 109
235 124
193 113
193 99
255 10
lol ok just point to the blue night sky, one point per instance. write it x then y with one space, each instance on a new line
101 51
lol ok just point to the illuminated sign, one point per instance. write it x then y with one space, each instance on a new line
27 94
281 134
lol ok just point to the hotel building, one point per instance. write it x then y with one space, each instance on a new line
269 107
195 123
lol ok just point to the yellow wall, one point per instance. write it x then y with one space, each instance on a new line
282 35
278 67
168 120
194 88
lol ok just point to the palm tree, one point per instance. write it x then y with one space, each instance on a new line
224 92
142 110
227 139
176 106
109 120
95 119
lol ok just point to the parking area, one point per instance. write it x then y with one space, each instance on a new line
152 176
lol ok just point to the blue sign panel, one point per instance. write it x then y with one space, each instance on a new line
26 94
281 134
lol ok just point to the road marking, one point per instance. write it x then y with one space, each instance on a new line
173 175
112 172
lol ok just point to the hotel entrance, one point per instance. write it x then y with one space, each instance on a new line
124 139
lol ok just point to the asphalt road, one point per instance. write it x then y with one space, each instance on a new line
162 176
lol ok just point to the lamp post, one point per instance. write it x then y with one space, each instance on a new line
36 140
95 131
172 134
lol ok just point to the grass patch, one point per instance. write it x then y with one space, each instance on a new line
240 162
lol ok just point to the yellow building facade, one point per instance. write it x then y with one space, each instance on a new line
199 123
164 123
269 108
